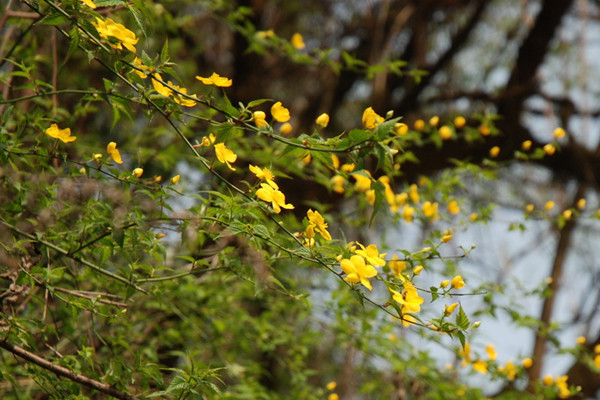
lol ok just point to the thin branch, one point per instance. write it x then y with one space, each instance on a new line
65 372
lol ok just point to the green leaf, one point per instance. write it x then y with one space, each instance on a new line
462 320
461 338
53 19
359 135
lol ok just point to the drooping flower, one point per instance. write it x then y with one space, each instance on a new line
159 87
318 222
225 155
370 118
113 152
270 193
297 41
215 79
110 28
280 113
357 271
371 254
64 135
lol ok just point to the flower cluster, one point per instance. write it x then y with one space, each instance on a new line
111 29
269 191
361 265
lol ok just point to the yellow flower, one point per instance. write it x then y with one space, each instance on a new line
159 87
337 182
370 118
527 362
137 172
322 120
297 41
433 121
97 157
259 119
179 99
335 161
548 381
270 193
549 205
279 112
357 271
526 145
458 282
348 167
331 385
318 222
419 125
567 214
413 193
215 79
64 135
563 388
549 149
559 132
363 183
445 283
491 352
484 130
175 179
418 269
494 151
113 152
307 159
446 238
597 360
480 366
207 141
460 121
430 210
89 3
265 34
400 128
410 299
333 396
580 340
511 370
453 207
408 320
137 62
371 254
448 310
397 266
529 208
110 28
370 195
407 213
445 132
581 204
225 155
263 174
286 128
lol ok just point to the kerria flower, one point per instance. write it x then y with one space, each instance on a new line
110 28
216 79
270 193
358 271
63 135
317 221
113 152
280 113
225 155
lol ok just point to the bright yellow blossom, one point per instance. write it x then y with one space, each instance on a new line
279 112
357 271
484 130
225 155
445 132
526 145
527 362
333 396
159 87
110 28
409 299
490 349
419 125
400 128
430 210
549 205
371 254
448 310
480 366
113 152
270 193
445 283
548 380
175 179
559 133
348 167
580 340
286 128
64 135
263 174
370 118
259 118
460 121
563 388
215 79
418 269
179 99
322 120
363 183
433 121
413 193
529 208
318 222
549 149
397 266
331 385
458 282
297 41
137 172
89 3
581 204
446 238
494 151
137 62
453 207
97 157
337 182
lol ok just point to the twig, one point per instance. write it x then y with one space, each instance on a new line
65 372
